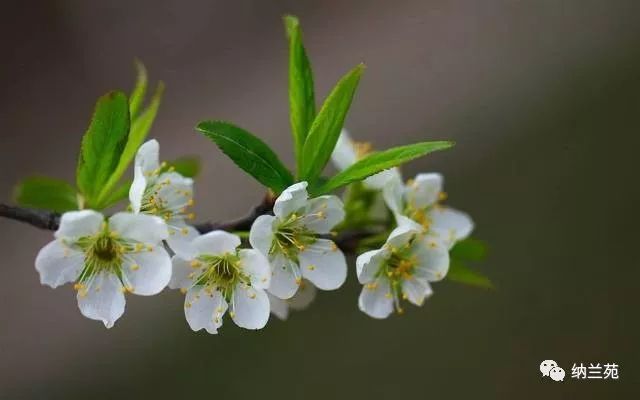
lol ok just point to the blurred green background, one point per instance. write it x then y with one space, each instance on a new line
542 98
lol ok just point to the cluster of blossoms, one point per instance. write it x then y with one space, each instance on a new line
289 256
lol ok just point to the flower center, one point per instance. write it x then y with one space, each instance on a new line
161 199
291 237
103 252
220 272
421 215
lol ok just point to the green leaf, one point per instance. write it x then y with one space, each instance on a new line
302 103
249 153
327 125
46 194
186 166
460 273
139 130
139 90
117 195
469 249
102 144
376 162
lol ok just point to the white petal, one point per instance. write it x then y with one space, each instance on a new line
174 190
136 191
139 227
148 271
256 266
250 307
323 264
407 223
379 180
368 264
416 290
450 224
74 224
376 300
58 264
204 309
344 154
402 235
433 259
148 156
285 277
278 307
323 213
181 237
261 234
393 195
102 299
303 297
184 274
216 243
424 190
291 200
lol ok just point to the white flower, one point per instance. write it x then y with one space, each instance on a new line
106 259
219 277
291 241
419 200
401 269
158 190
347 152
300 301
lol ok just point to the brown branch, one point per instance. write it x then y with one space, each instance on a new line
38 218
348 241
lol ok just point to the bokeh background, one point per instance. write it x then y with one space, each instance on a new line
542 97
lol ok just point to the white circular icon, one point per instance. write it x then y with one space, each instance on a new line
557 374
546 365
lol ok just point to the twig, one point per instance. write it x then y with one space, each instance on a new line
348 241
38 218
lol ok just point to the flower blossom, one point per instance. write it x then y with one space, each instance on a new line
106 259
158 190
292 242
400 270
219 276
419 200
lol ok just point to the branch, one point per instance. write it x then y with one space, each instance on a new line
38 218
348 241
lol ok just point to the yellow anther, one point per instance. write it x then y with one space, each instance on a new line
78 286
442 196
183 290
184 231
371 286
149 248
187 305
334 247
387 295
135 267
190 203
404 296
400 311
232 314
433 244
139 247
252 296
311 267
191 216
195 263
298 281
